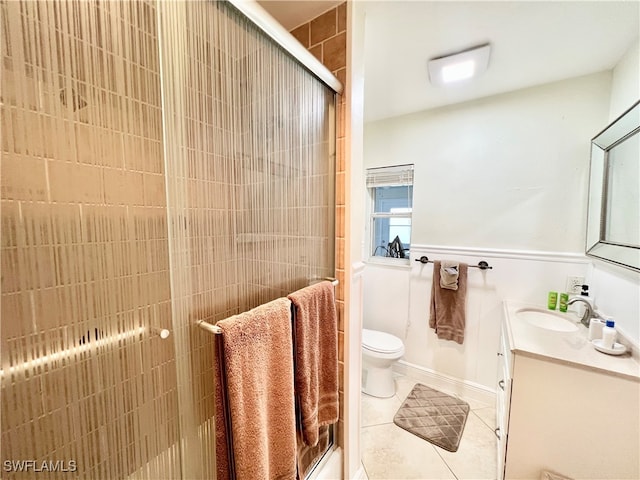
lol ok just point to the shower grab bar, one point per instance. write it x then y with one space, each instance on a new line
217 330
482 265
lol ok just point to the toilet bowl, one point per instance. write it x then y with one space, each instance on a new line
379 351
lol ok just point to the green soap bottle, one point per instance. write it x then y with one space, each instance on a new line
564 298
552 300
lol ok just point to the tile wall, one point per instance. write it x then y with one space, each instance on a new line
326 37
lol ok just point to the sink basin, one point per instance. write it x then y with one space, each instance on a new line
545 319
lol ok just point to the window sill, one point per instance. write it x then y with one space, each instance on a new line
403 263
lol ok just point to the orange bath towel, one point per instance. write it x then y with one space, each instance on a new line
258 366
448 314
316 356
224 447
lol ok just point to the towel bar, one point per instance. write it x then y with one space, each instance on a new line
208 327
217 330
482 265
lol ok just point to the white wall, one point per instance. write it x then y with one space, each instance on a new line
625 87
618 289
397 300
508 171
354 199
502 179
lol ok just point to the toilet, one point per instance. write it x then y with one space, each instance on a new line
379 351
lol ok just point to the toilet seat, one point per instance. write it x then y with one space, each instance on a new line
381 342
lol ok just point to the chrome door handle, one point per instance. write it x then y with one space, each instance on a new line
501 384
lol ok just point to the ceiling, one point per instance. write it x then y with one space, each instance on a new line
532 43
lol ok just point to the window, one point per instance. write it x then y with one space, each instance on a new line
391 204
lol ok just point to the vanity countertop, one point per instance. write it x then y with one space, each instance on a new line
571 348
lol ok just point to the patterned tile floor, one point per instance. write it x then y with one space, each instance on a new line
389 452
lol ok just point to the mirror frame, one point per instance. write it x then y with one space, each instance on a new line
620 129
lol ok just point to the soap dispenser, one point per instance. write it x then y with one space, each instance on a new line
609 335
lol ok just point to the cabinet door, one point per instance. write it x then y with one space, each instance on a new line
503 401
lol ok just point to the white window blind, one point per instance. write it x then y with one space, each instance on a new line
390 176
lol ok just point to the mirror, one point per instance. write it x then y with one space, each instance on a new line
613 221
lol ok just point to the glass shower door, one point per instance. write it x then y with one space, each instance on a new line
88 388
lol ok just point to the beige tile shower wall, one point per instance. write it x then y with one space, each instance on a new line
326 37
285 180
86 386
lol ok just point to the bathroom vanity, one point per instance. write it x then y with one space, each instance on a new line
561 405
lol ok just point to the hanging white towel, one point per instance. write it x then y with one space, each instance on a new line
449 271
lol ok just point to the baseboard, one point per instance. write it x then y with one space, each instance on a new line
446 383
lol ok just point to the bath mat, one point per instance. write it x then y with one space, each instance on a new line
433 416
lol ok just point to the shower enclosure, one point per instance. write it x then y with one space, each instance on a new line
162 163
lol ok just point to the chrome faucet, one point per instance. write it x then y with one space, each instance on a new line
589 312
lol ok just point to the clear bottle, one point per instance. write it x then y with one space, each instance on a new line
609 335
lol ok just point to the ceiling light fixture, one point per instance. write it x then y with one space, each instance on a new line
459 66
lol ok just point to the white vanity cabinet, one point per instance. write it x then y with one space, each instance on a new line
571 418
503 398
